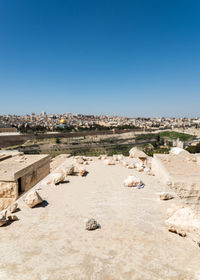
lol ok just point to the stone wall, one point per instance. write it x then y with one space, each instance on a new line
9 191
159 170
8 194
34 176
189 192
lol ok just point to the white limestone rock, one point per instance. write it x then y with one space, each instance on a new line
85 158
80 161
131 166
177 151
69 170
147 169
91 224
102 157
115 157
138 164
118 157
57 178
140 168
133 181
12 208
81 171
166 196
185 222
109 161
12 218
135 153
32 199
124 163
3 218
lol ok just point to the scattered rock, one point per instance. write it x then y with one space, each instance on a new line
85 158
109 161
135 153
177 151
3 218
118 157
57 178
80 161
69 170
166 196
115 157
12 218
124 163
82 171
32 199
131 166
140 168
103 157
147 169
12 208
91 224
133 181
185 222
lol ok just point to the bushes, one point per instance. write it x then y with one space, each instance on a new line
58 141
194 149
175 135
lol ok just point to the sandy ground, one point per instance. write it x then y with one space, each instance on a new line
51 243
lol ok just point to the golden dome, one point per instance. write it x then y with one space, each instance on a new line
63 120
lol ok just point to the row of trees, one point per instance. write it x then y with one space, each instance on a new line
97 127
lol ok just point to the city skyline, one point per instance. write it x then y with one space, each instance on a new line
126 58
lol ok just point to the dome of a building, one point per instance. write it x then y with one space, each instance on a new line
63 120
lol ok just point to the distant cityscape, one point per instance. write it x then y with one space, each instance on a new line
51 122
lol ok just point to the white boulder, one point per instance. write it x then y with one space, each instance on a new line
3 218
177 151
124 163
118 157
81 171
91 224
80 161
32 199
13 207
140 168
69 170
166 196
133 181
109 161
131 166
185 222
135 153
103 157
57 178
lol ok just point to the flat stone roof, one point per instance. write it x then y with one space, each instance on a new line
4 154
50 242
181 167
15 167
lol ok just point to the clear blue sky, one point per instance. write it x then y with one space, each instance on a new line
134 58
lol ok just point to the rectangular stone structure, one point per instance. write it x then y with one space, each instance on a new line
182 173
20 173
